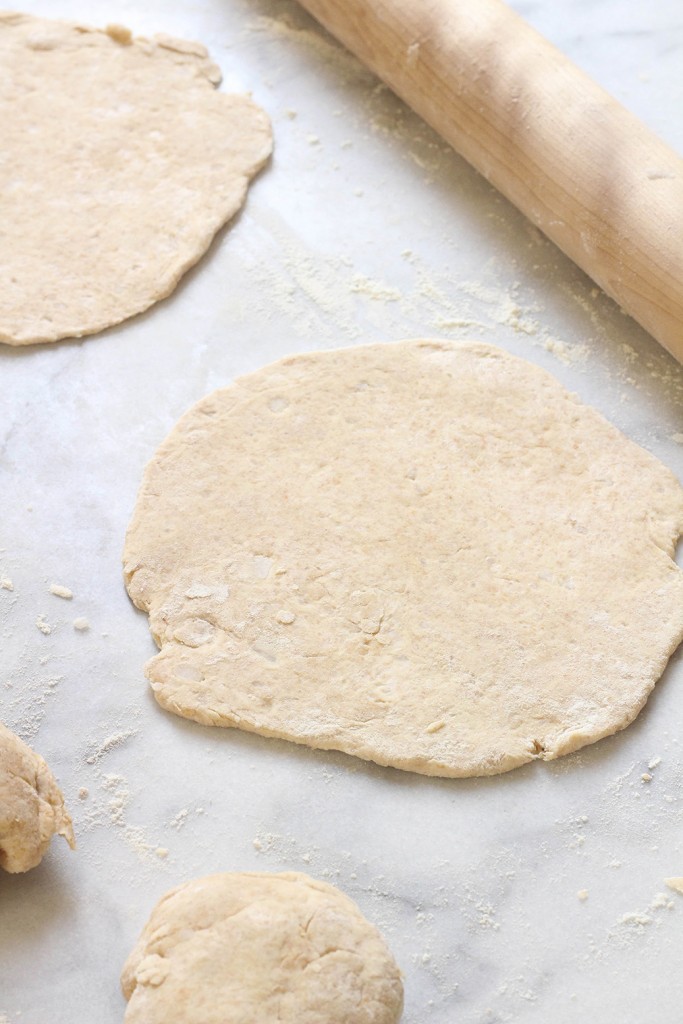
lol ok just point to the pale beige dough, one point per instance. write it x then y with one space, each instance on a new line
120 161
32 807
257 948
425 554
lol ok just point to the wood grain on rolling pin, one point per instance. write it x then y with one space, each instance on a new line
587 172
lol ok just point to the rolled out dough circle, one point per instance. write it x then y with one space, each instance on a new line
120 161
231 948
425 554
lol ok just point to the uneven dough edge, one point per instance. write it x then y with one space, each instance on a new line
170 283
238 107
496 763
564 741
33 808
204 906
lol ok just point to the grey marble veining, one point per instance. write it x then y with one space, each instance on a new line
365 226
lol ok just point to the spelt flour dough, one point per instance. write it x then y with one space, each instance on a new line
32 807
120 161
426 554
256 948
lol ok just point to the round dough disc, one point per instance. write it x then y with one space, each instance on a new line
119 163
258 948
426 554
32 807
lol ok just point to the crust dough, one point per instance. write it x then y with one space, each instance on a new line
425 554
256 948
120 162
32 807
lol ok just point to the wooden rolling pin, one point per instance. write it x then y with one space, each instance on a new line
584 170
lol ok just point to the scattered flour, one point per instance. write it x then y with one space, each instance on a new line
637 918
329 297
323 47
117 739
180 819
285 848
6 584
567 354
375 290
120 796
642 918
27 700
112 802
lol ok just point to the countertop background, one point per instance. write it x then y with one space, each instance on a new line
364 227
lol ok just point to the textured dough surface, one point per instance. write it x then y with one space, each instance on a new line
32 807
256 948
425 554
119 163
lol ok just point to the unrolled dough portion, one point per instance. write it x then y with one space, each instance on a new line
426 554
119 163
256 948
32 807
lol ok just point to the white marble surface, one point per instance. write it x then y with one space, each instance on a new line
365 226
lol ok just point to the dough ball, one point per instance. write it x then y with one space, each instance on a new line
32 807
426 554
120 162
251 948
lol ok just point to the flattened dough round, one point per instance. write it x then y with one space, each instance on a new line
119 163
425 554
256 948
32 807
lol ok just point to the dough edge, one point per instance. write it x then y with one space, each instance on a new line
565 741
183 51
35 802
